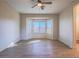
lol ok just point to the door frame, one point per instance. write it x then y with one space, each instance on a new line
74 25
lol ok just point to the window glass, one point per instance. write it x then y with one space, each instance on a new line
49 23
42 27
49 26
35 27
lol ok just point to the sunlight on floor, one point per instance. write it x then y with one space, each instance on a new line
12 45
77 46
36 41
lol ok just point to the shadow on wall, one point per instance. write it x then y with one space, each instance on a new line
8 33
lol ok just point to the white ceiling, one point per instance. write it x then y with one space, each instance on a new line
24 6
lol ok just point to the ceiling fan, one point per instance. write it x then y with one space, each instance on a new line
41 4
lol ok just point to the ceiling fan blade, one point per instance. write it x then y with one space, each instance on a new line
39 1
46 2
34 6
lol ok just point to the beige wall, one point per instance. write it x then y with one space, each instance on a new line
9 25
24 32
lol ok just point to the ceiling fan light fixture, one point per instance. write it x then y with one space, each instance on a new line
39 5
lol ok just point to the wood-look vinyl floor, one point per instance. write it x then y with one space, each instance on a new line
39 48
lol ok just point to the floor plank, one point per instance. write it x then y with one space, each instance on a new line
39 48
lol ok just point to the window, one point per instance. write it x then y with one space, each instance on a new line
39 26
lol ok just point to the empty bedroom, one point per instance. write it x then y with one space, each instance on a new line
39 28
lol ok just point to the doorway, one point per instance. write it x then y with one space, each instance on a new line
76 25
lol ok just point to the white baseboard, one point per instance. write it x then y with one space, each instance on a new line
65 44
12 44
2 49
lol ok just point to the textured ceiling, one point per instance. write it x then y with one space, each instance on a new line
24 6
